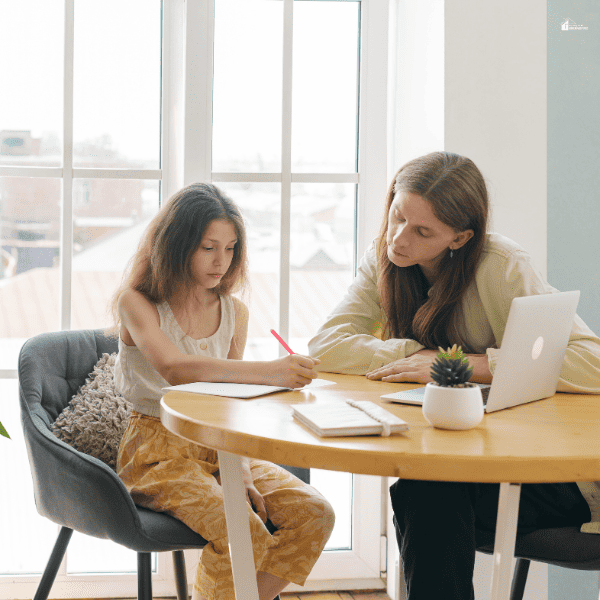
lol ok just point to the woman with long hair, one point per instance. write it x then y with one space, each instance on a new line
178 323
436 277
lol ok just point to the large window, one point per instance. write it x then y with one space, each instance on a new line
108 108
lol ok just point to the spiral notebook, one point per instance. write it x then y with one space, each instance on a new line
348 418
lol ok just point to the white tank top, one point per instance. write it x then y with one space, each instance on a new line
138 381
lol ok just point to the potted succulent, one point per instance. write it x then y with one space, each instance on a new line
450 401
3 431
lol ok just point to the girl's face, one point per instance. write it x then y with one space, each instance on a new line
212 258
416 236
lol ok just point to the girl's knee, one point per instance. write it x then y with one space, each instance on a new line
328 517
323 514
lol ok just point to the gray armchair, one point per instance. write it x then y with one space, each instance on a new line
559 546
75 490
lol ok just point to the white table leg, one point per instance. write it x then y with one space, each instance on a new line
238 526
506 535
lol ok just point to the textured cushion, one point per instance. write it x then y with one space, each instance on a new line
96 418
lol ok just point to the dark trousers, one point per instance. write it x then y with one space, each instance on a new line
438 522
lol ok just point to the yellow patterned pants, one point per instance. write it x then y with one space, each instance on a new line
167 474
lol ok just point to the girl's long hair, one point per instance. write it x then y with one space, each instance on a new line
162 264
456 191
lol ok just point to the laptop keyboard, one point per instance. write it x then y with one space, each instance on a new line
485 391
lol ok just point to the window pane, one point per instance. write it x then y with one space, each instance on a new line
325 87
260 204
109 218
27 538
92 555
337 488
321 254
247 86
117 83
31 113
29 275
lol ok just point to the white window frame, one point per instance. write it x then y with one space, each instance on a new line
187 56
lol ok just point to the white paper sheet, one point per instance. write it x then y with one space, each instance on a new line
239 390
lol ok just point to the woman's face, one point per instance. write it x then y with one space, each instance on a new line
213 257
416 236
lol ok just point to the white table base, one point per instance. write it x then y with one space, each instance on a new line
240 542
238 526
506 536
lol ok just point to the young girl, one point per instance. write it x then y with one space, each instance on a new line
435 277
177 324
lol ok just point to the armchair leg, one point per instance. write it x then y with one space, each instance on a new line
144 560
58 552
519 579
180 575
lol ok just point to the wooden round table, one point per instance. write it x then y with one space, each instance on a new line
552 440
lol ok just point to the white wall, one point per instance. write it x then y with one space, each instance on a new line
471 79
417 105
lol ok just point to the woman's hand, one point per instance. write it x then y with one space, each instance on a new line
256 501
293 371
414 368
417 367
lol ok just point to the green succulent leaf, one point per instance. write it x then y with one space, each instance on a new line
454 353
3 431
451 368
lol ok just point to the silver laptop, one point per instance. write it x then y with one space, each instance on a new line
531 355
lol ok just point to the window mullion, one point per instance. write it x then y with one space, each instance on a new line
66 229
286 170
373 127
197 130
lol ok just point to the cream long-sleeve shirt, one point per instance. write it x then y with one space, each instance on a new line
349 341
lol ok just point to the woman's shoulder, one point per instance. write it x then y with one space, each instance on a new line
498 244
369 263
500 252
505 264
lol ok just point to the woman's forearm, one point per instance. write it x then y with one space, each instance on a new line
481 368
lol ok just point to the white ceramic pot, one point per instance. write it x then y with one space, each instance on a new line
452 408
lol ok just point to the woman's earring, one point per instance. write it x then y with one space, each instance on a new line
451 253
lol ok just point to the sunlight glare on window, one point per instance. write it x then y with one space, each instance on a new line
117 83
247 86
321 254
31 114
325 87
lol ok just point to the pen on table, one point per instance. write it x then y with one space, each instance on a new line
280 340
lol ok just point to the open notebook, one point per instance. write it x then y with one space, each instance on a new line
238 390
348 418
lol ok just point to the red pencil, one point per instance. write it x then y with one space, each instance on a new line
280 340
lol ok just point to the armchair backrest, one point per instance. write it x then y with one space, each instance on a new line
70 488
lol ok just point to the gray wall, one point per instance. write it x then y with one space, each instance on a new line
574 153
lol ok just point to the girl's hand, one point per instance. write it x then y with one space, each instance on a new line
256 501
293 371
415 368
